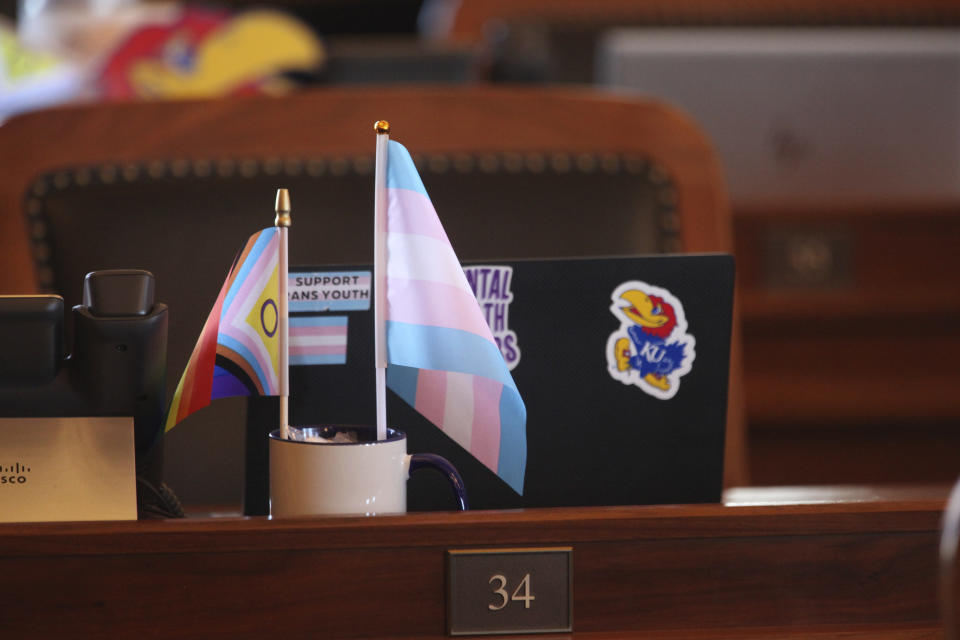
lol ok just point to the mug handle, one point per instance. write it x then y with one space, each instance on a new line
431 460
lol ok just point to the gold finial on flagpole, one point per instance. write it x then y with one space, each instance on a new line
283 209
381 126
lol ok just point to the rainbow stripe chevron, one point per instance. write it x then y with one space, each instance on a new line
441 355
237 353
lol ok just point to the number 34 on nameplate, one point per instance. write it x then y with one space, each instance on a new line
501 591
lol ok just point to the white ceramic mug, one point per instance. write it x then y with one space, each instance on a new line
366 477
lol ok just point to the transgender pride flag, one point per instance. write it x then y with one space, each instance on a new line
441 356
318 340
238 350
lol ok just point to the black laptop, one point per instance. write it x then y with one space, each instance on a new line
622 364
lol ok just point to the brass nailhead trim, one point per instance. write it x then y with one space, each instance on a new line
316 168
513 162
464 163
363 165
61 180
34 207
249 168
536 163
293 167
438 164
156 170
180 168
226 168
586 163
202 168
610 163
108 174
561 163
339 167
272 167
38 230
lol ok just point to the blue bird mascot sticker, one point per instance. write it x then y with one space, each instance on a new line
652 348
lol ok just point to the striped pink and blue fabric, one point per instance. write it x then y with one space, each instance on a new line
441 355
316 340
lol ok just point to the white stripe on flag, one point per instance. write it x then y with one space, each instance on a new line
318 341
416 257
458 408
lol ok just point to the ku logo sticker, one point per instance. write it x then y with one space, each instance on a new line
652 348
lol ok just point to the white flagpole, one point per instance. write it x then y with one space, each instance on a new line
382 127
282 222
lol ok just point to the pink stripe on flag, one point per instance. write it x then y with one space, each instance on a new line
431 395
303 331
485 437
319 350
412 212
435 304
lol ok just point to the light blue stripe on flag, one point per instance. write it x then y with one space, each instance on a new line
314 359
443 349
401 172
320 306
318 321
512 463
403 382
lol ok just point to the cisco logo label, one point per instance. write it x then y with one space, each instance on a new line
14 474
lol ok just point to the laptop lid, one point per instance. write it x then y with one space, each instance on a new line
622 364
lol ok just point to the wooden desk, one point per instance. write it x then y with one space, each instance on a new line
858 569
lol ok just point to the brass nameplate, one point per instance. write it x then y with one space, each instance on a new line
509 591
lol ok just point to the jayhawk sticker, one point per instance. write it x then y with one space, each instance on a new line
652 348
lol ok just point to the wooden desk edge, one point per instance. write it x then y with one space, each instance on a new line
543 526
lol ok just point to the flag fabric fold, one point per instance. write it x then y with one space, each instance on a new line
237 353
442 358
